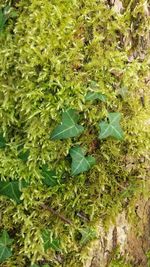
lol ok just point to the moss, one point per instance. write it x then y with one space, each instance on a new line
50 55
119 261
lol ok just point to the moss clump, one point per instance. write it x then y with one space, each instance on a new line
50 55
119 262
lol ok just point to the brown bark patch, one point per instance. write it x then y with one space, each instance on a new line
132 239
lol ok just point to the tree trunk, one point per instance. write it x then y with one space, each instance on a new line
133 242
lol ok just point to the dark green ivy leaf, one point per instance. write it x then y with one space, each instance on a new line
12 189
6 13
23 155
80 163
2 141
91 95
87 235
68 127
50 242
49 177
2 20
5 250
111 128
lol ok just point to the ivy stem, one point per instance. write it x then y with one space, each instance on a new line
56 213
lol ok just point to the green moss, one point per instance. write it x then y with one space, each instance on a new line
50 55
119 262
148 258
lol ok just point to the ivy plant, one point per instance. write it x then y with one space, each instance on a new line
49 176
91 95
87 235
23 155
12 189
68 127
80 163
54 64
5 246
123 91
3 19
2 141
111 127
49 241
6 13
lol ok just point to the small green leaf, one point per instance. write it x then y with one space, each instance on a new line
23 155
123 91
12 189
13 14
91 95
50 177
111 128
2 141
6 13
5 242
87 235
80 163
68 127
49 241
2 20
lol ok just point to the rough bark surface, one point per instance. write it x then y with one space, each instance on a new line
134 242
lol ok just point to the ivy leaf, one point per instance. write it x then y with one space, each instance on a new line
123 91
111 128
91 95
87 235
6 13
12 189
80 163
50 177
50 242
2 141
2 20
5 242
24 155
68 127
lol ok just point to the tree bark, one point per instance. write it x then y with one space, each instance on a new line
133 242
